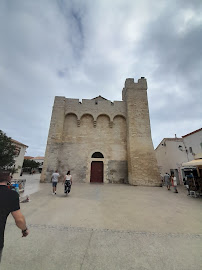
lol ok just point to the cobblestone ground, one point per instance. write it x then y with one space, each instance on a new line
107 227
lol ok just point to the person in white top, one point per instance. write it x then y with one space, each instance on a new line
67 181
54 179
174 182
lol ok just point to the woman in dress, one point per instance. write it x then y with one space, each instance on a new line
174 182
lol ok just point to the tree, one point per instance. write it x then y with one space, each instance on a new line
7 151
30 164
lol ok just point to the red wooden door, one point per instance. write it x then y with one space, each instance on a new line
96 172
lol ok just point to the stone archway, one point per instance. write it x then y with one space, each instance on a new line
97 155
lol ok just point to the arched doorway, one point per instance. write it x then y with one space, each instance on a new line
97 155
96 175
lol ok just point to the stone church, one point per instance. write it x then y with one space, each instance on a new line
101 141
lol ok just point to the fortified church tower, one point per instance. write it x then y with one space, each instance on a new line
142 163
103 141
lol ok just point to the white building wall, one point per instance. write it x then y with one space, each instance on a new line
19 161
172 152
195 142
170 157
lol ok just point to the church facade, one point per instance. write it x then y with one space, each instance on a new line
103 141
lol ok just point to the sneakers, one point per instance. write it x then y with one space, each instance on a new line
55 193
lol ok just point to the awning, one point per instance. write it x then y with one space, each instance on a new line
195 162
198 156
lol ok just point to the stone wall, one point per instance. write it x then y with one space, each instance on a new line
95 107
142 164
120 130
117 172
54 139
93 126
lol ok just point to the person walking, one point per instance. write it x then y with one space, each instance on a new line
67 181
9 203
167 180
54 179
174 182
162 180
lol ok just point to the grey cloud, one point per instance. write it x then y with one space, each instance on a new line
73 16
83 49
175 75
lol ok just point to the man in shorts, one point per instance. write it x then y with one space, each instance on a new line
9 203
167 180
54 179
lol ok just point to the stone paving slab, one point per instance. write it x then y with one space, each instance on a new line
107 227
77 248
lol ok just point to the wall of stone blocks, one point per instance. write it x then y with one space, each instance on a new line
117 172
142 164
79 140
54 139
120 130
95 107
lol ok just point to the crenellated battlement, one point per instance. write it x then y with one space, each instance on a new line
141 84
94 107
131 85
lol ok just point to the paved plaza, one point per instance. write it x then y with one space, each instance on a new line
108 227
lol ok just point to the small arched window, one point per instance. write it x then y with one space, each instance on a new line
97 155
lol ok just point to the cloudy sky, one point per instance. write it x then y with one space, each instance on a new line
82 49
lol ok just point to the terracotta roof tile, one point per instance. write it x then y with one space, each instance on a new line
192 132
16 142
28 157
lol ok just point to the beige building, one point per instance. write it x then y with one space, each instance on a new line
19 158
103 141
172 153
